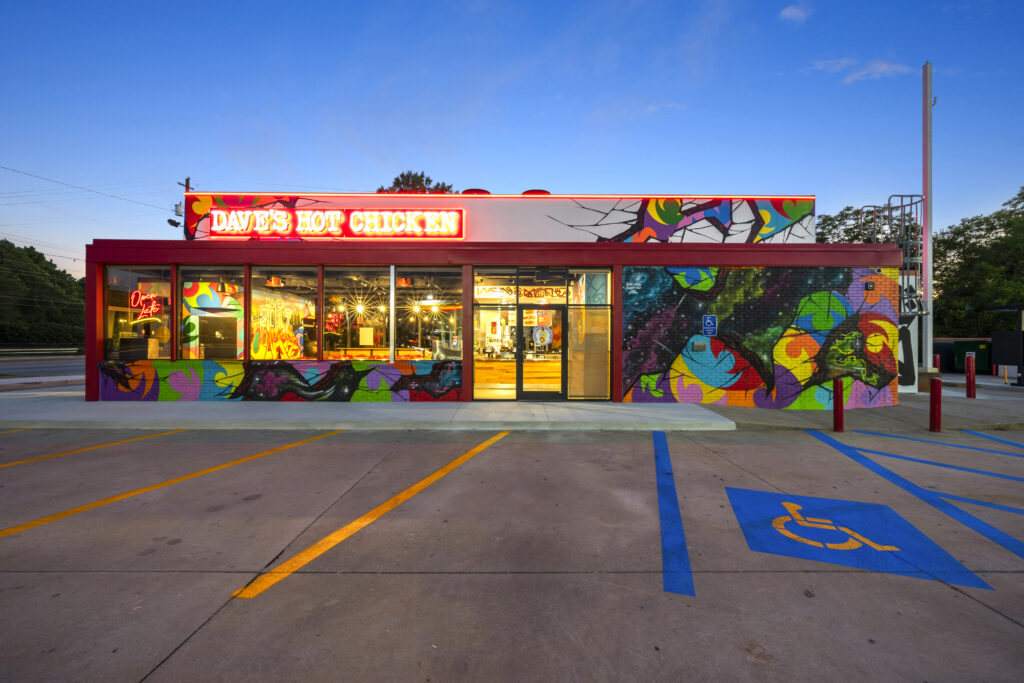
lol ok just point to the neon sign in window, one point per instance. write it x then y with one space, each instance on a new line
421 224
148 303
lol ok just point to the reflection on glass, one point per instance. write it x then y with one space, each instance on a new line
212 315
589 352
494 286
590 287
356 319
428 316
137 324
494 357
282 321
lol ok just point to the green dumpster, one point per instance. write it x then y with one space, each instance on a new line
982 349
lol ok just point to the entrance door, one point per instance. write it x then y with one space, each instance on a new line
540 353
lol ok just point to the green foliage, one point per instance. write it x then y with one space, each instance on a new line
40 305
416 183
979 264
850 226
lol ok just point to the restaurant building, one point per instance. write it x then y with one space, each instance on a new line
430 297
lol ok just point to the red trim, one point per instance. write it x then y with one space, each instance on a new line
175 321
616 359
488 196
467 332
208 252
321 313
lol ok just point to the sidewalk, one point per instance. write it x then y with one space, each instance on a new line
65 408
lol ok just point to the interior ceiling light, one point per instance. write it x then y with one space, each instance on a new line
274 281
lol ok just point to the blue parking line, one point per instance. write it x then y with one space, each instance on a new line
983 503
941 464
936 500
677 576
995 438
939 443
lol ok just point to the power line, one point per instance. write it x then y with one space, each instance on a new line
84 189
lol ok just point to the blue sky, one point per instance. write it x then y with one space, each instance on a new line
723 97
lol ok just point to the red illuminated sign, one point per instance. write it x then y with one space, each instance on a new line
149 302
426 224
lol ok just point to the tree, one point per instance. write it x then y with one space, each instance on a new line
979 264
415 183
40 305
851 226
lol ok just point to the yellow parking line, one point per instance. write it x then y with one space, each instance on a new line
88 448
23 429
10 531
297 562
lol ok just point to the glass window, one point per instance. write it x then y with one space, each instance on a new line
137 324
494 286
282 317
212 312
543 285
428 315
590 287
589 352
356 322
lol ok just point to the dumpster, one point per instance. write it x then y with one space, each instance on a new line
981 348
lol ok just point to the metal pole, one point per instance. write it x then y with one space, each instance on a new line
928 320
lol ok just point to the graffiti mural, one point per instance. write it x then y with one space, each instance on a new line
783 335
349 380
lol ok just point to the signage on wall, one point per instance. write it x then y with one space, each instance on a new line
710 325
312 224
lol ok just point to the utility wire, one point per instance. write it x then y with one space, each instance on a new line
84 189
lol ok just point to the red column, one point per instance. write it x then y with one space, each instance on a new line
94 285
467 333
971 378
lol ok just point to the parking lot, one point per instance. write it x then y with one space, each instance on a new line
173 554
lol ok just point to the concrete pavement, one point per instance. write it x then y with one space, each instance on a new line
64 407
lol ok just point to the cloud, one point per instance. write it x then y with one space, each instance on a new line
796 14
876 69
666 106
832 66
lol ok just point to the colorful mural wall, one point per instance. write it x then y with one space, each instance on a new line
203 304
349 380
741 220
783 335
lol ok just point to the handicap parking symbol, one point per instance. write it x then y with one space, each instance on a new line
710 327
850 533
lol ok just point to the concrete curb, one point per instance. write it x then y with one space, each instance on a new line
42 384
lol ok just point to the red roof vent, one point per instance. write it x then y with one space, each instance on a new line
536 192
475 191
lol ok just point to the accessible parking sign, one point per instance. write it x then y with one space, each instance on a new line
845 532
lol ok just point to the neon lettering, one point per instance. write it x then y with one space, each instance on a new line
335 223
149 302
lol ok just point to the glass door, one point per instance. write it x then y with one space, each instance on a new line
540 353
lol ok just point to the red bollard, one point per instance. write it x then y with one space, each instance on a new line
972 388
935 413
936 362
837 404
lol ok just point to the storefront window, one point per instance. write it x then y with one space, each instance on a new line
356 322
212 312
590 287
282 317
428 313
138 310
590 343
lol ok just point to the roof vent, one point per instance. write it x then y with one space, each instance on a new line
536 192
475 191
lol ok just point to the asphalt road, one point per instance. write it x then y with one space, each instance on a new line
41 366
424 555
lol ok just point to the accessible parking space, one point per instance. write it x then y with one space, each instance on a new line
514 556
